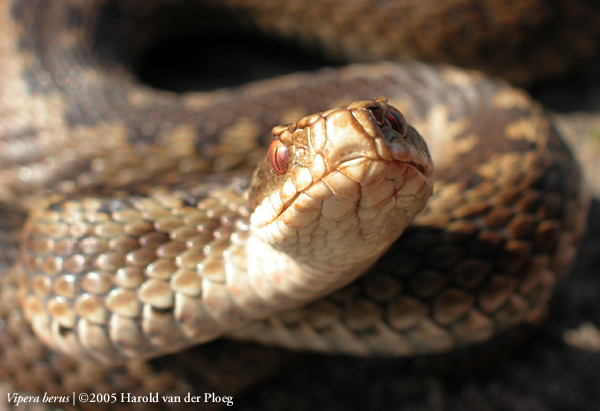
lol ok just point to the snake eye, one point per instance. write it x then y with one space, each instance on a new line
278 157
397 122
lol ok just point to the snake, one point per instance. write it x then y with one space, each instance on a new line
137 223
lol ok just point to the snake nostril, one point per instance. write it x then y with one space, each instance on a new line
397 122
392 119
378 114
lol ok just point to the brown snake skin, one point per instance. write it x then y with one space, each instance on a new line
483 257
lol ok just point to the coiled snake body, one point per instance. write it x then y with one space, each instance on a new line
137 252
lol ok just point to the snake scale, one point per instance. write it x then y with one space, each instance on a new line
134 249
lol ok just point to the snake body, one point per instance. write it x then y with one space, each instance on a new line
110 278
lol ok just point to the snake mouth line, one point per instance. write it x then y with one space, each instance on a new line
415 165
420 168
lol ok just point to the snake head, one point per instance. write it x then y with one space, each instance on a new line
347 179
